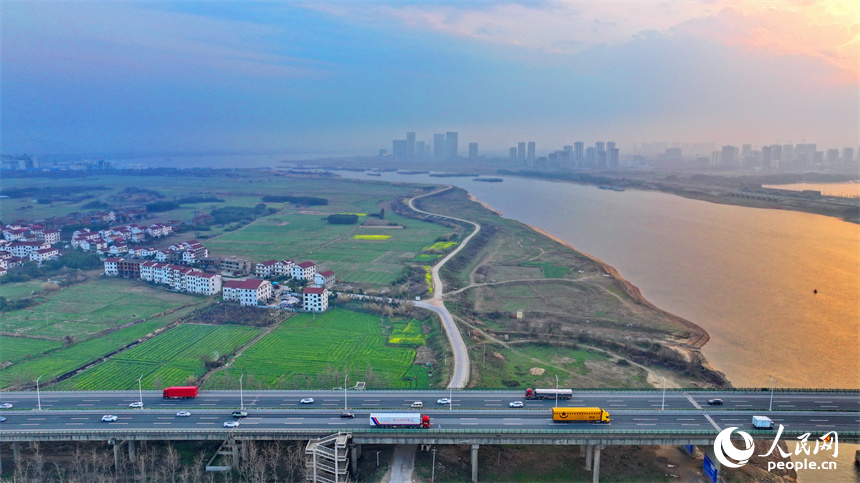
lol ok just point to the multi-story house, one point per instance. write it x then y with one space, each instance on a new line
315 299
44 254
247 292
324 279
303 271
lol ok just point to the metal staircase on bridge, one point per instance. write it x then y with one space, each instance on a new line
327 458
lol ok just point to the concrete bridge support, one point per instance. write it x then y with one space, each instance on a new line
582 450
16 452
355 454
588 456
116 455
596 475
475 462
131 451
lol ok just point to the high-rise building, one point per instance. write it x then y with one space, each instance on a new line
567 158
578 153
398 149
410 145
729 156
451 145
787 160
439 146
766 156
612 157
590 157
473 151
611 145
847 156
512 155
601 146
531 154
420 150
521 153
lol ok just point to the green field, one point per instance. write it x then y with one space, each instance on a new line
333 247
87 308
316 351
165 360
60 361
21 289
14 349
550 270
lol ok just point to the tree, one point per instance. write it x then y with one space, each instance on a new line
382 213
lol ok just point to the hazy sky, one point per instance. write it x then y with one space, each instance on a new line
347 77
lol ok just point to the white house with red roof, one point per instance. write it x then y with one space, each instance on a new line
111 269
25 248
303 271
44 254
315 299
265 269
324 279
247 292
202 283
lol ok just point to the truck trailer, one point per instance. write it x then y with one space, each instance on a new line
571 415
399 420
762 422
180 392
548 393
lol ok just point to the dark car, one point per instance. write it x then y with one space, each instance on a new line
347 415
240 414
715 402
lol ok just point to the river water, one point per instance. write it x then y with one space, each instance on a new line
745 275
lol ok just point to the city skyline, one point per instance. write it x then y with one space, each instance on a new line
330 78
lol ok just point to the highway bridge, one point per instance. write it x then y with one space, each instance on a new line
676 417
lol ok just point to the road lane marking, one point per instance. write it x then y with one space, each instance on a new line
493 400
97 400
464 424
646 424
85 405
205 404
823 402
513 424
687 419
644 419
819 420
690 424
693 401
209 417
80 419
290 422
744 405
714 423
161 423
70 424
35 419
617 405
29 424
204 423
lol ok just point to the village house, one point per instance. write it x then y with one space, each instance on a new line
303 271
247 292
44 254
315 299
324 279
23 249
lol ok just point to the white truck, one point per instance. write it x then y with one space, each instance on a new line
762 422
399 420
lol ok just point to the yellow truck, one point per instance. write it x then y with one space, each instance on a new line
572 415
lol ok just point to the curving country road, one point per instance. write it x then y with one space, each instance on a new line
460 376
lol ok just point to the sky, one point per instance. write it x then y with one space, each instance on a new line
342 78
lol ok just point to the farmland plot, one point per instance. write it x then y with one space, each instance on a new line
316 351
168 359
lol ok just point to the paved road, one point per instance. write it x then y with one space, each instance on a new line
402 400
210 420
460 377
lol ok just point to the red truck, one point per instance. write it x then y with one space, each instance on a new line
180 392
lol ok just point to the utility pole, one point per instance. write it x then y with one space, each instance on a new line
556 390
344 392
433 471
663 404
38 396
770 407
241 396
139 390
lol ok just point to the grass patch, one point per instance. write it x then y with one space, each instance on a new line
14 349
20 290
84 309
165 360
549 270
58 362
315 352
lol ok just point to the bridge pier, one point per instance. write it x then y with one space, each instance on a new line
588 456
235 448
596 475
116 455
475 462
355 454
16 452
131 452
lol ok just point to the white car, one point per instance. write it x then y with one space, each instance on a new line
308 400
109 418
231 424
183 414
6 406
136 404
444 400
516 404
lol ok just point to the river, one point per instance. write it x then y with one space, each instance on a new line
746 275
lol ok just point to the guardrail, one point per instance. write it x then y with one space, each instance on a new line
509 390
